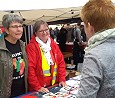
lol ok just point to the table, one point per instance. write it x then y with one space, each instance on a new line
67 54
54 89
39 95
69 46
72 73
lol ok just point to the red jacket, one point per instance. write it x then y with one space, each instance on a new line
35 74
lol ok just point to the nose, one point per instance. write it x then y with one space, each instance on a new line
44 31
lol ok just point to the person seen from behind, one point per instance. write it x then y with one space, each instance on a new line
98 72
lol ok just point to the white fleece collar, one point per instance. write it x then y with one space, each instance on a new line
46 49
99 38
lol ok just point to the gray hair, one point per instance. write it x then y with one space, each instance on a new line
9 18
38 24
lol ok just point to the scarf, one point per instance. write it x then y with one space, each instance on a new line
46 49
99 38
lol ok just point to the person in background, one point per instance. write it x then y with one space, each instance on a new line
13 60
46 62
51 33
69 33
83 34
62 38
1 33
56 31
78 50
98 71
77 33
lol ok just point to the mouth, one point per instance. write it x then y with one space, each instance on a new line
18 34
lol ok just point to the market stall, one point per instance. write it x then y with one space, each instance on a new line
57 91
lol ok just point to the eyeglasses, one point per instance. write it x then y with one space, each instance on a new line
42 31
16 26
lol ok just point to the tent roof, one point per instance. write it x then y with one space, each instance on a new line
39 4
49 15
65 21
50 11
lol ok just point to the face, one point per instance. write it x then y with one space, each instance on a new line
89 30
15 31
43 33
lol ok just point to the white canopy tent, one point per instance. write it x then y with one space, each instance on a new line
39 4
48 10
49 14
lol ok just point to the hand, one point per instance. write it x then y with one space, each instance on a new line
62 84
80 43
43 90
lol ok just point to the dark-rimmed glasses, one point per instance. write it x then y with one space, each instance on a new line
42 31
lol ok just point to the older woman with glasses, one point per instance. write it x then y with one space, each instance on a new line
46 62
13 60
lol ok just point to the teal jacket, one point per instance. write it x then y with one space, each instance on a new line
6 68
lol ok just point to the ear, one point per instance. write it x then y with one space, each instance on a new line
6 30
91 28
35 33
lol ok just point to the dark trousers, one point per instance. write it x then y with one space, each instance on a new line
62 47
78 54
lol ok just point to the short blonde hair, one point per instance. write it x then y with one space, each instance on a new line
99 13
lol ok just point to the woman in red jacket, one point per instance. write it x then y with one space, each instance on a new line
46 62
